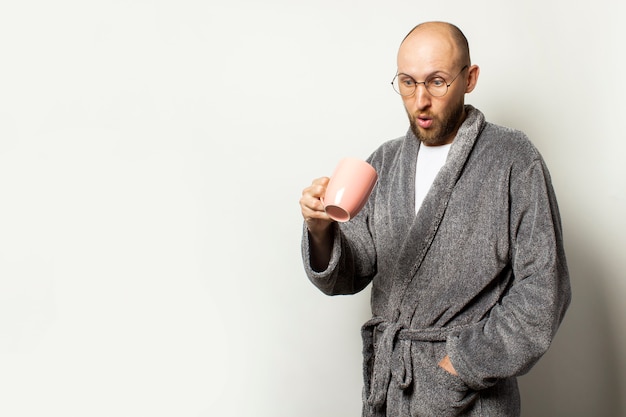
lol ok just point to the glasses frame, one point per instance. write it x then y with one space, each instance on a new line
424 82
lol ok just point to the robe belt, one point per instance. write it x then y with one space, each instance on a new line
377 359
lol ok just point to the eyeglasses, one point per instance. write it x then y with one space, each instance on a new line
405 85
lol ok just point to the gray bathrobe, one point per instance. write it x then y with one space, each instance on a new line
478 274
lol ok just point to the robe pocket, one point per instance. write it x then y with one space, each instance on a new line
436 392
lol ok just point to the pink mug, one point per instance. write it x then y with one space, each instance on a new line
349 188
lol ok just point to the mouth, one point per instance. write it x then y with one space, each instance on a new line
424 122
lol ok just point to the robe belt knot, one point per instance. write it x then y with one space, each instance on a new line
394 337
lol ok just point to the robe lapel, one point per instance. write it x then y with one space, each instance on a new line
423 227
401 210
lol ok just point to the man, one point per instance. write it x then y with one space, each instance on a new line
461 240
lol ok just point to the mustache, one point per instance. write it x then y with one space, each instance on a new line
417 115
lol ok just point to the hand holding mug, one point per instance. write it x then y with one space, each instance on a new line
316 219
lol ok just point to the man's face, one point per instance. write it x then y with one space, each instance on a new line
423 55
442 125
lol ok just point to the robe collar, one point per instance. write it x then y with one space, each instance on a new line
422 227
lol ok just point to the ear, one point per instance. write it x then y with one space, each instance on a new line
472 78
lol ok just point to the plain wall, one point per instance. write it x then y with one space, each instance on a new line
152 155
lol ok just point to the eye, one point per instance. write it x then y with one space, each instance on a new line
437 82
407 82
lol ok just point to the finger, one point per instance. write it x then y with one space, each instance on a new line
317 188
311 203
321 181
313 218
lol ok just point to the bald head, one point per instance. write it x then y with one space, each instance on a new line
435 54
449 35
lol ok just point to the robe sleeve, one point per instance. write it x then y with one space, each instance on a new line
353 259
520 328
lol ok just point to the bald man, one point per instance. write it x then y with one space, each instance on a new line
461 241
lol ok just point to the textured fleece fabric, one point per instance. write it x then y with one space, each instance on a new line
479 274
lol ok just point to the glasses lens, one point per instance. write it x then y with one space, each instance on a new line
403 87
437 87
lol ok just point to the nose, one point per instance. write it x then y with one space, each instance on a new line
421 97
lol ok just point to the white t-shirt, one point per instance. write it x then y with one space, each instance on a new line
430 159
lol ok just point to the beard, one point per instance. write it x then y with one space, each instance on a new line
444 126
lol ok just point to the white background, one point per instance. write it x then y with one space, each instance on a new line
152 155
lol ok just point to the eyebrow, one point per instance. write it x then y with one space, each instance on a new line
438 73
